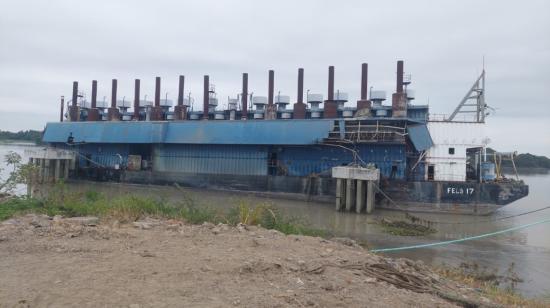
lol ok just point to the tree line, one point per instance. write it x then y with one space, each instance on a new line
23 135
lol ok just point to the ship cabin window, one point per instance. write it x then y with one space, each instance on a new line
431 172
452 151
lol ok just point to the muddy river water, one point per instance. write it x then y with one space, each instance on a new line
528 249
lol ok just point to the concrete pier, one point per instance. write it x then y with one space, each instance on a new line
51 164
360 196
340 192
355 188
350 194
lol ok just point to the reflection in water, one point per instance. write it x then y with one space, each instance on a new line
529 249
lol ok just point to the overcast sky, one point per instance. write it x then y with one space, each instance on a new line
45 45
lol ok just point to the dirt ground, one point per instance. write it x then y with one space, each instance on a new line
57 262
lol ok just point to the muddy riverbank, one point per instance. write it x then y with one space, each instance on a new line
52 261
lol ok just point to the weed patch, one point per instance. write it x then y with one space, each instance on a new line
404 228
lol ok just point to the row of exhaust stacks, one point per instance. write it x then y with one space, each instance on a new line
399 99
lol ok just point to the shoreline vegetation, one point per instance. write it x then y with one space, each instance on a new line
128 208
31 136
524 161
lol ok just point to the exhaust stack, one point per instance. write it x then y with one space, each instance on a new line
270 112
62 108
113 113
300 107
136 99
93 113
399 98
331 109
399 82
180 111
364 105
206 97
244 97
157 92
156 112
74 111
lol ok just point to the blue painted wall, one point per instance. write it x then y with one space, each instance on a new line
248 159
303 161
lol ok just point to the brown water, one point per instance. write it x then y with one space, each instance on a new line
528 249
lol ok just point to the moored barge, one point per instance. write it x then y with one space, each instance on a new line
425 162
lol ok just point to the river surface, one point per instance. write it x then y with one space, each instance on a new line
528 249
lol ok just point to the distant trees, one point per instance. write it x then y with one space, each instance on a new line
525 160
25 135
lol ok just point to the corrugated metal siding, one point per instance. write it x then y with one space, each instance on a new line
211 159
303 161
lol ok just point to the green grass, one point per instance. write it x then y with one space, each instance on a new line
129 208
17 206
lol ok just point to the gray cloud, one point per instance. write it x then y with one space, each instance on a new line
45 45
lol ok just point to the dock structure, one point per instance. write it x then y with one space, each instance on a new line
355 188
52 164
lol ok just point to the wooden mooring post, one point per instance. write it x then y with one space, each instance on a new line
355 188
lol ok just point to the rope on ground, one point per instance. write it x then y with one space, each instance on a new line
460 240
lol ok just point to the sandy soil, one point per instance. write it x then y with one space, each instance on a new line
56 262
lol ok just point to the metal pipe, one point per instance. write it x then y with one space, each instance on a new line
270 87
330 83
245 97
300 85
62 107
157 92
364 80
113 93
136 99
180 90
75 93
399 84
205 99
94 94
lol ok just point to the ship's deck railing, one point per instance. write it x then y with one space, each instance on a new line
442 117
